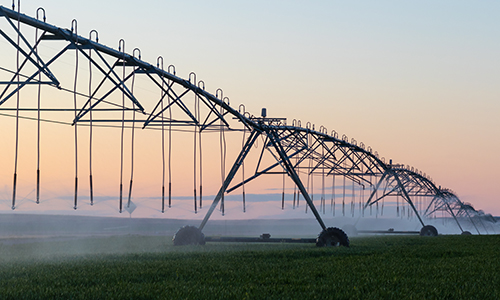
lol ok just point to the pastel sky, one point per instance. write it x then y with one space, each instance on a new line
418 81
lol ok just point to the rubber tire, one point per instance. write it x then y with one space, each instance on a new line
332 237
428 230
188 235
350 230
466 233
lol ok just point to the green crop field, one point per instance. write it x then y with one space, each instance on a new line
138 267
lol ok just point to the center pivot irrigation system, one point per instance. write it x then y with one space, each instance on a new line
109 100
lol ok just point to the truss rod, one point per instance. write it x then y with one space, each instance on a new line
291 172
239 161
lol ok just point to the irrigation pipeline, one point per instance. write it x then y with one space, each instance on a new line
295 148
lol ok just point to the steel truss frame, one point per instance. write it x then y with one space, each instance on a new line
296 150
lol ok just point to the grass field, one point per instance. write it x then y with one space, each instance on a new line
138 267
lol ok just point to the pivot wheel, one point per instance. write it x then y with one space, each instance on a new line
332 237
466 233
428 230
189 235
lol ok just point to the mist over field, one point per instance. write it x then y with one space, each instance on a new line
23 227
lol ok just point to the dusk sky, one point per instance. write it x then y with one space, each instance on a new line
418 81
